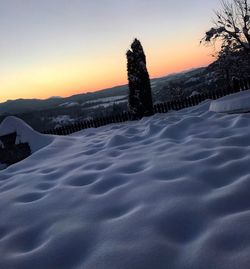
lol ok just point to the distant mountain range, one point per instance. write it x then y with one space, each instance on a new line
56 111
159 86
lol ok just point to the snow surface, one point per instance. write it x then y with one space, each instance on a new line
106 99
62 120
2 166
69 104
233 103
194 93
167 192
105 105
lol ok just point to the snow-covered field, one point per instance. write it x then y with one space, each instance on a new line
167 192
105 105
107 99
69 104
62 120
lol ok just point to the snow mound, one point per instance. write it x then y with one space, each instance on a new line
24 133
234 103
169 191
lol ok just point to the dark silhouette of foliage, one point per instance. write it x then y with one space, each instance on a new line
140 96
231 27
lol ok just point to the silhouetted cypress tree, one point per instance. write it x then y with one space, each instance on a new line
140 97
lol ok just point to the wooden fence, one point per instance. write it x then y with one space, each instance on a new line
237 85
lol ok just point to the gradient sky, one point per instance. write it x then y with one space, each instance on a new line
64 47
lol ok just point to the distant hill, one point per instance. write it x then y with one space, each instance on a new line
28 105
56 111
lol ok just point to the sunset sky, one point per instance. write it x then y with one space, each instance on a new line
64 47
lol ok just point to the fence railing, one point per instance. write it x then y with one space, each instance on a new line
164 107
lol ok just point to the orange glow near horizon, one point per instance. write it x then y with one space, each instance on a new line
74 77
62 48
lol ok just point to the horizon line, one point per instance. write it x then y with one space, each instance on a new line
103 89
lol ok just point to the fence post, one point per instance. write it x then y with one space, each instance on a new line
248 83
165 107
161 107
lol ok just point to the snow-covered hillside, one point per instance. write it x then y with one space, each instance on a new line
170 191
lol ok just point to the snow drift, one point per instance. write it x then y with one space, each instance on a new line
233 103
170 191
25 134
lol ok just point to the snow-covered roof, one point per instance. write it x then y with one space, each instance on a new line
234 103
24 133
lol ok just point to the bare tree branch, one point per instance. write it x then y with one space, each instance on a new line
231 25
